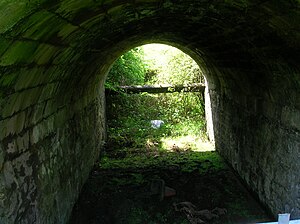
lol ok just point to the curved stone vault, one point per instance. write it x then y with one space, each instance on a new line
55 54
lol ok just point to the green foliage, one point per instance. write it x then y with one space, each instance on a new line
168 65
129 116
129 119
129 69
154 64
170 107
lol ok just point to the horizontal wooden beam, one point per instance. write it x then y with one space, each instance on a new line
195 87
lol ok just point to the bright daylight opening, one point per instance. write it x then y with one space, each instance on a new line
169 112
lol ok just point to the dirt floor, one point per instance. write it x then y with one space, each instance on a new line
165 187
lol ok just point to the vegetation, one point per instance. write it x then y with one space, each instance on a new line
154 64
129 116
129 119
176 155
168 65
129 69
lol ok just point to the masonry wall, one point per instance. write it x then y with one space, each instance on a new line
259 134
45 163
54 56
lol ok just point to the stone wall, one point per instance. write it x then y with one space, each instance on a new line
260 136
47 163
54 56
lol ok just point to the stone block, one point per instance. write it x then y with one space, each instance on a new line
18 102
56 73
23 142
20 52
270 110
49 91
70 8
2 155
13 125
61 117
41 130
51 107
37 114
4 45
295 96
35 77
11 13
7 127
66 30
65 56
8 80
45 54
20 122
43 26
9 109
290 117
92 22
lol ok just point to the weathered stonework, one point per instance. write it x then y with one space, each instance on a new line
54 56
48 166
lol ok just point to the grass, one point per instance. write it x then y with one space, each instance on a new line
188 161
129 118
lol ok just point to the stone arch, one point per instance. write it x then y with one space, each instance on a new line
199 58
54 55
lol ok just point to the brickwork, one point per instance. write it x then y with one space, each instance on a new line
54 56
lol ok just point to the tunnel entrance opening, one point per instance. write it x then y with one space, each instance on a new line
54 55
137 119
160 174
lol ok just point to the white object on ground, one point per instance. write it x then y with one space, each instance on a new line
284 218
156 123
290 222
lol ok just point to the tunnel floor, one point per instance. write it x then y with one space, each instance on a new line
138 186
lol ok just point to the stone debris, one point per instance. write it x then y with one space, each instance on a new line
169 192
198 216
158 187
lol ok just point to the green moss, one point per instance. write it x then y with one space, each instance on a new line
8 80
12 11
4 45
42 25
19 52
187 161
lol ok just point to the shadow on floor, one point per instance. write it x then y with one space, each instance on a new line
122 189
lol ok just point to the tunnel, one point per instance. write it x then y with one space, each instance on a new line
55 55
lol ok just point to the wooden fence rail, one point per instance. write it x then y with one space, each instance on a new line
195 87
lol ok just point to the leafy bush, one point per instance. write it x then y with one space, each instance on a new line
129 69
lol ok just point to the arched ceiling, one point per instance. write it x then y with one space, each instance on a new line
70 31
64 48
54 55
